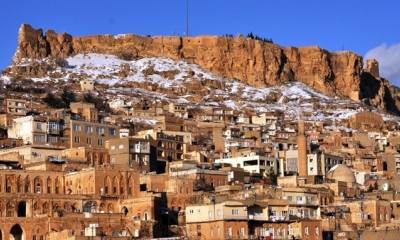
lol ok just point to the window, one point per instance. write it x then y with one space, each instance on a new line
88 129
112 131
251 163
230 231
77 139
52 139
88 140
39 138
242 232
76 127
100 130
100 142
235 211
53 126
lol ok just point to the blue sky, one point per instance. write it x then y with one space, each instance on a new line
364 26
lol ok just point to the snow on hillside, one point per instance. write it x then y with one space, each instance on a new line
104 68
174 79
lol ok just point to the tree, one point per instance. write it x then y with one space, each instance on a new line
68 96
272 177
99 103
54 101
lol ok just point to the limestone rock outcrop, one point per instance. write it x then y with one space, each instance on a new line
256 62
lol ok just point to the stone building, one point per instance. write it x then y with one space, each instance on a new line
226 220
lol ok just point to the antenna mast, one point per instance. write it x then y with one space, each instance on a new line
187 18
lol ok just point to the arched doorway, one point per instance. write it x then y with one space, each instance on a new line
16 233
21 209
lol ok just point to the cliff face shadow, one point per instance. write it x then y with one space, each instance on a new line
369 86
391 104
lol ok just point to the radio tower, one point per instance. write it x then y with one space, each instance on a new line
187 18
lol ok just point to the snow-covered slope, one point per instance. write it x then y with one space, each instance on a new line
169 80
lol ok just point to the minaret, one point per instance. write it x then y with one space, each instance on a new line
302 150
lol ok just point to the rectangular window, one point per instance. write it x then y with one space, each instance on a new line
77 139
88 129
230 231
100 142
112 131
39 138
76 127
53 126
100 130
52 139
251 163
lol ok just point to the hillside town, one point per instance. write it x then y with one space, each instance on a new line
176 152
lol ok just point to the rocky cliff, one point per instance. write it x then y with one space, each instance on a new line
254 62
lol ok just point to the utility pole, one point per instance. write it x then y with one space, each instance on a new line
187 18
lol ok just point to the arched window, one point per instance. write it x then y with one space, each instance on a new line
27 185
90 206
102 207
115 185
124 210
37 182
107 185
10 181
45 208
10 209
19 184
57 185
130 185
121 185
101 159
48 184
110 208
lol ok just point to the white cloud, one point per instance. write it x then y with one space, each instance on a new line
388 57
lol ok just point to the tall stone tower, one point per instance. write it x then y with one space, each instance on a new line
302 150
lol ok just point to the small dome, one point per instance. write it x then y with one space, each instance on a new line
341 173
